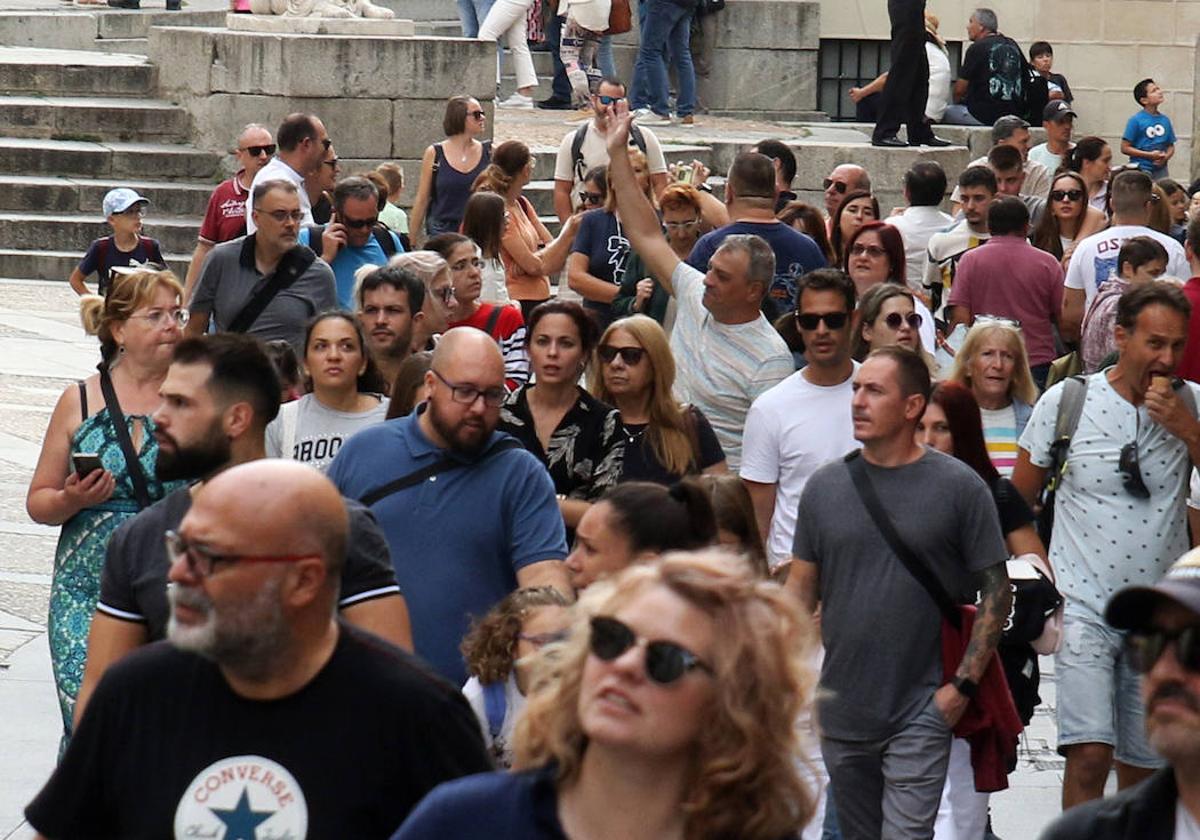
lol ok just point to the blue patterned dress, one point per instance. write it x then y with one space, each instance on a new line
79 558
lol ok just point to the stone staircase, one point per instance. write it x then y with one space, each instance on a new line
73 125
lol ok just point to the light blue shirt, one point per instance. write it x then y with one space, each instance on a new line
350 259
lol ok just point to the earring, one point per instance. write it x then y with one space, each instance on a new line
121 349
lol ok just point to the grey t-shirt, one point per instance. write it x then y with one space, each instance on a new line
229 280
317 431
881 629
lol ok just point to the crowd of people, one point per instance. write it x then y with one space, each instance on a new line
368 532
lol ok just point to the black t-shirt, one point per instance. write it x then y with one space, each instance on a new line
994 68
133 584
1014 511
167 749
641 464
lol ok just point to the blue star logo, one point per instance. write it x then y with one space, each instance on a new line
241 822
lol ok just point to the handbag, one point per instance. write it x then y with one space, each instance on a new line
1037 611
620 18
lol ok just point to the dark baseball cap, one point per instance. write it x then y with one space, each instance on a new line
1133 607
1057 110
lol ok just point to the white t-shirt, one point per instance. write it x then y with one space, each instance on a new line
917 225
595 153
495 287
939 82
1095 258
790 431
277 170
1186 827
316 431
1104 537
723 367
1042 154
499 747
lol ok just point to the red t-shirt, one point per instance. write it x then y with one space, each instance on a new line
225 218
509 333
1189 367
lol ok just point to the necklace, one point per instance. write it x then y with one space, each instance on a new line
633 437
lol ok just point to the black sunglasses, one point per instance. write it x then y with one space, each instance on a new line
665 661
629 355
1066 195
1145 647
838 186
478 114
833 320
586 197
1128 465
360 223
895 319
255 151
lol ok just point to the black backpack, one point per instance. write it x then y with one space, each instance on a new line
635 134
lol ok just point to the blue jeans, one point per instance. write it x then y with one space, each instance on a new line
560 86
472 14
665 29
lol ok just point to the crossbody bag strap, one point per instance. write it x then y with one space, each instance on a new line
436 468
293 264
920 571
137 477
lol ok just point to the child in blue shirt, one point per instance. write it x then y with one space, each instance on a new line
123 209
1149 138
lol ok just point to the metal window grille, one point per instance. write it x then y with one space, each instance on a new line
845 63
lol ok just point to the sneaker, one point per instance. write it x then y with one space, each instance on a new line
554 104
656 119
517 101
641 114
688 122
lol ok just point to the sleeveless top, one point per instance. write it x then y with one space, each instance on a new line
450 190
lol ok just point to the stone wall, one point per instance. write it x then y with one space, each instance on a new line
1103 47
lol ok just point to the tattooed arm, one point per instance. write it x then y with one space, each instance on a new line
995 603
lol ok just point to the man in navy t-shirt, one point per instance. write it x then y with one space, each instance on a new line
750 194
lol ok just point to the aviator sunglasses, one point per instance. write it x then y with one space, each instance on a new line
665 661
629 355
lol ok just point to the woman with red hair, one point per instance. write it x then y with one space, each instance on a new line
874 254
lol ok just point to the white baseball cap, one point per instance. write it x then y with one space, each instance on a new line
120 200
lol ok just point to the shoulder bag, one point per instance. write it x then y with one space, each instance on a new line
116 416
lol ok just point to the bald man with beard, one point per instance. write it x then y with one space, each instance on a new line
263 712
468 513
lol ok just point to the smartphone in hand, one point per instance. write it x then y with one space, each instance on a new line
85 463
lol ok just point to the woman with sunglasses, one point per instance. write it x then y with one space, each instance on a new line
499 649
529 253
599 254
887 315
1068 218
503 323
576 436
99 464
1092 159
669 712
856 209
664 441
485 220
345 394
449 168
875 255
992 362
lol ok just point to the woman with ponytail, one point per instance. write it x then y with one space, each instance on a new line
637 521
98 462
529 253
1091 158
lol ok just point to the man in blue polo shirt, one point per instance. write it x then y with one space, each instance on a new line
353 238
469 516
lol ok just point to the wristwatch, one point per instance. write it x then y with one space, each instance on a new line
967 688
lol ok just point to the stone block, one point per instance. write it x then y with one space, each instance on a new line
1116 68
163 161
57 265
47 30
76 232
768 24
34 157
37 194
415 123
186 56
369 28
423 10
1068 20
1134 21
816 159
166 199
854 19
760 80
88 119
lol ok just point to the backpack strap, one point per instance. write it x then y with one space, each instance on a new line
639 139
495 706
493 319
83 399
116 416
445 464
1070 409
577 151
383 235
102 278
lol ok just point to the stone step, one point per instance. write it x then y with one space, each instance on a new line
423 10
31 193
124 46
439 28
75 232
118 23
49 72
77 28
58 265
92 118
20 156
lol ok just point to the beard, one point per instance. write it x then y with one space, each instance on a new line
398 344
192 461
465 435
248 636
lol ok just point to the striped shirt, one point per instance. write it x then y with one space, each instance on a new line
509 332
722 368
1000 436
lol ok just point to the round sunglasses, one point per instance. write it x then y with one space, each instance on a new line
666 662
895 319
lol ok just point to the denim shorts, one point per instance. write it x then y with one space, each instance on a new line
1099 694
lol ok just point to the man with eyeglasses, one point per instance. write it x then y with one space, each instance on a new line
1119 519
1161 627
585 147
848 177
302 142
264 715
266 283
469 514
804 421
225 218
1012 279
353 238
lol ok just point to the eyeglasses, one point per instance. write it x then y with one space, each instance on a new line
592 198
609 100
666 662
464 264
255 151
358 224
1146 647
1066 195
681 225
810 320
838 186
999 320
326 143
539 640
467 394
1129 466
629 355
159 317
873 251
138 210
332 164
201 561
444 294
895 319
282 216
479 115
